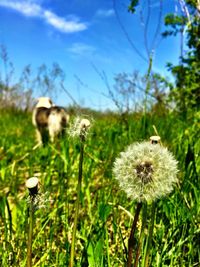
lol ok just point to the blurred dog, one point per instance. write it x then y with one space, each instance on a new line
50 120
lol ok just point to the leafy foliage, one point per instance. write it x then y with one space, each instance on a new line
132 6
186 92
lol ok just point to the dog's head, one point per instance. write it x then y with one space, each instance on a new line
44 102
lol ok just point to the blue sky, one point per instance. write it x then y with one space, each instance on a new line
82 36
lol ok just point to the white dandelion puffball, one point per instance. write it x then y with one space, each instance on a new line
80 127
85 123
146 171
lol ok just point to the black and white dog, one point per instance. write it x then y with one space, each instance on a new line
50 120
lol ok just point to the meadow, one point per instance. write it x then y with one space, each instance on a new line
106 214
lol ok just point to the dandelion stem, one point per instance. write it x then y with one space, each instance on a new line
72 252
131 238
10 217
144 219
150 235
30 233
148 85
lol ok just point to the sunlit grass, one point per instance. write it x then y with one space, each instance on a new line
105 215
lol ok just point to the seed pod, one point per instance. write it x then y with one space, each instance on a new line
32 185
155 139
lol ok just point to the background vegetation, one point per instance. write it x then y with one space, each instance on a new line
105 212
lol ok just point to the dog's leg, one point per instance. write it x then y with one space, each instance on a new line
52 134
38 137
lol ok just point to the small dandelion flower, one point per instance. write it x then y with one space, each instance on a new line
155 139
146 171
80 127
38 199
32 185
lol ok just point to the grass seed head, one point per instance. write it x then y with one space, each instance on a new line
146 171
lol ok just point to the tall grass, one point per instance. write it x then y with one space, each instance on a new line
105 212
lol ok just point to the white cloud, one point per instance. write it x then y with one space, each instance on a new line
105 12
63 24
26 8
81 49
31 9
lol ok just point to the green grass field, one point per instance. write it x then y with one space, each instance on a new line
106 214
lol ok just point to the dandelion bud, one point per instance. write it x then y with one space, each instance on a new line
155 139
145 171
32 185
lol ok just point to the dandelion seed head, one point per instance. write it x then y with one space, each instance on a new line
85 123
40 201
146 171
80 127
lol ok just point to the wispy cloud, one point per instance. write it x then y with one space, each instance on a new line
26 8
105 13
90 53
31 9
82 49
63 24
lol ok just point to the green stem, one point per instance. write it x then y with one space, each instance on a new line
107 249
72 252
30 233
9 217
148 85
144 219
131 238
150 236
